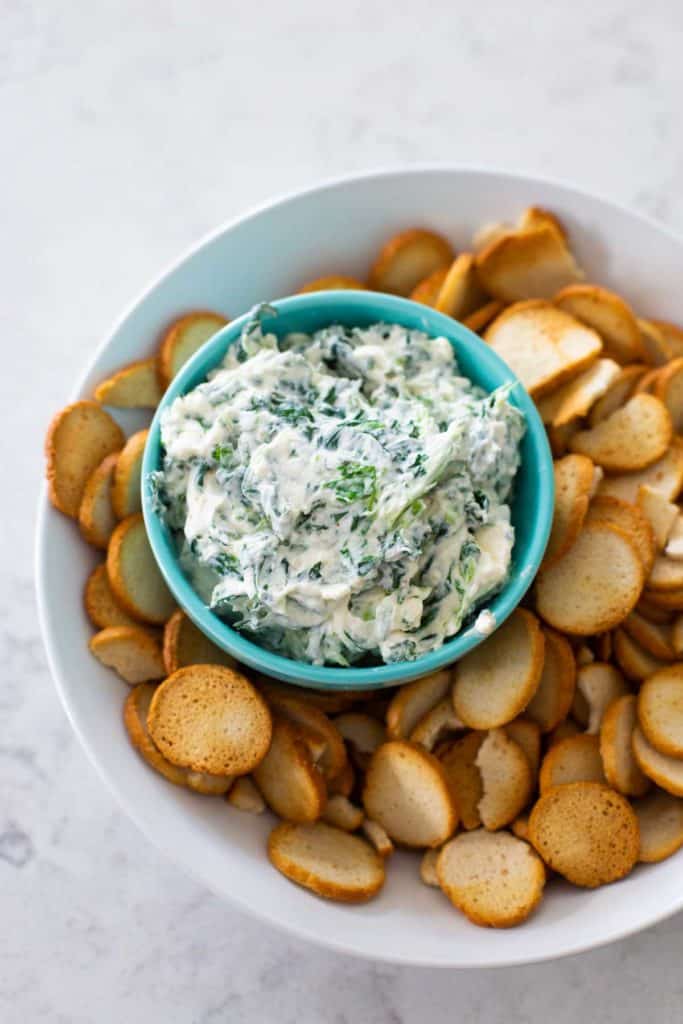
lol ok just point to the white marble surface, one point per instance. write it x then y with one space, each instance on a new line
128 129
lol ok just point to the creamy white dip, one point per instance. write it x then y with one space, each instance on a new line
342 495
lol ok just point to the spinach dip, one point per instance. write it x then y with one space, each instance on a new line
343 495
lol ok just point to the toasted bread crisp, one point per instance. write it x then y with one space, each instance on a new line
606 313
496 681
436 725
126 498
660 710
135 386
289 781
674 542
616 749
599 684
428 868
340 812
660 819
672 334
646 384
617 393
427 291
572 400
660 513
654 637
329 862
131 651
542 345
374 832
586 832
135 713
671 600
211 719
666 574
407 793
483 316
633 437
527 735
134 576
629 519
520 827
506 779
244 796
182 340
100 604
655 346
573 484
664 770
668 387
407 258
78 439
96 514
459 763
333 282
594 586
461 293
555 693
333 756
575 759
362 732
633 660
530 264
665 476
184 644
536 216
496 880
412 702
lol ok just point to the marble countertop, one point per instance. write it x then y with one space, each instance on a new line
128 130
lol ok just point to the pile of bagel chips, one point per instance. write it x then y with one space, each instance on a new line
555 748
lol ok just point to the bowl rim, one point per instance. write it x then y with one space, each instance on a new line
575 942
390 309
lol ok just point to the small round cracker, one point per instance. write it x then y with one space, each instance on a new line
428 868
529 264
131 651
665 475
134 575
461 293
333 282
326 860
665 771
630 520
594 585
527 735
438 723
633 437
135 386
555 693
574 759
666 574
616 748
287 778
506 777
599 684
185 644
606 313
182 339
464 778
672 334
573 484
617 393
495 879
496 681
333 755
657 350
406 791
96 517
586 832
633 660
411 703
483 316
211 719
78 439
100 602
126 497
427 291
660 710
407 258
660 819
653 637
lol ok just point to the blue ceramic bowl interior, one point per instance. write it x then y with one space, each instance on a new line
532 505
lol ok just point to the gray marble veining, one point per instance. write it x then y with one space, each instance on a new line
128 129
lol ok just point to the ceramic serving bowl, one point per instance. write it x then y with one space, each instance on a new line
531 509
338 228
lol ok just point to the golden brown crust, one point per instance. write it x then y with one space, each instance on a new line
632 438
407 258
289 781
131 651
135 386
411 703
574 476
78 439
184 644
660 710
606 313
585 831
574 759
100 603
333 757
664 770
134 576
660 818
555 692
329 862
126 498
616 749
427 291
175 348
459 761
483 316
630 520
531 264
96 517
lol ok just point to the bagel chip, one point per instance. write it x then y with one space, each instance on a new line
555 693
184 645
126 495
461 293
411 703
496 880
340 812
633 437
363 733
660 819
616 748
428 868
96 517
665 476
666 574
134 575
374 832
427 291
78 439
573 400
656 348
407 793
664 770
594 585
331 863
495 681
573 484
659 511
407 258
483 316
574 759
135 386
464 777
244 796
619 391
527 735
586 832
182 339
506 777
599 684
668 387
654 637
630 520
530 264
288 779
436 725
333 757
131 651
673 336
100 604
607 314
633 660
211 719
542 345
660 710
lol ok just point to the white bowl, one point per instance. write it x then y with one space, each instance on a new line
266 254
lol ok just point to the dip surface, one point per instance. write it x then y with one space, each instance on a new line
343 495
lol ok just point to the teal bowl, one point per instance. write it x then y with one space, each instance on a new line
532 505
